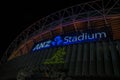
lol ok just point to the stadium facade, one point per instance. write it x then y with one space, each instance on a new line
79 42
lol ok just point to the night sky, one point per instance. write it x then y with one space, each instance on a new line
17 16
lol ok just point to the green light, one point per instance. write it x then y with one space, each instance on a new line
57 58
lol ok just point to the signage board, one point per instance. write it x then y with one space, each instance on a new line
88 35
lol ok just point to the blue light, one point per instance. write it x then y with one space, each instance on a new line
62 40
57 41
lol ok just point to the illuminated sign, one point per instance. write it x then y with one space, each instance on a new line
67 39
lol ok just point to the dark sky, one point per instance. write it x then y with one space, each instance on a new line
17 15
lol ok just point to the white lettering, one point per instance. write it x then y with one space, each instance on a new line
100 35
48 43
91 36
66 39
72 39
42 45
81 37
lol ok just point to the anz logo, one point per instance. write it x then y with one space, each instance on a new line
71 39
42 45
56 42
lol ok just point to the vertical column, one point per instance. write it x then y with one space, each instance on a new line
44 55
68 56
50 52
33 59
28 61
92 67
73 60
100 59
86 59
115 59
107 60
79 61
39 57
118 46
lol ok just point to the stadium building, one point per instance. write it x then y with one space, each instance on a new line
76 43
